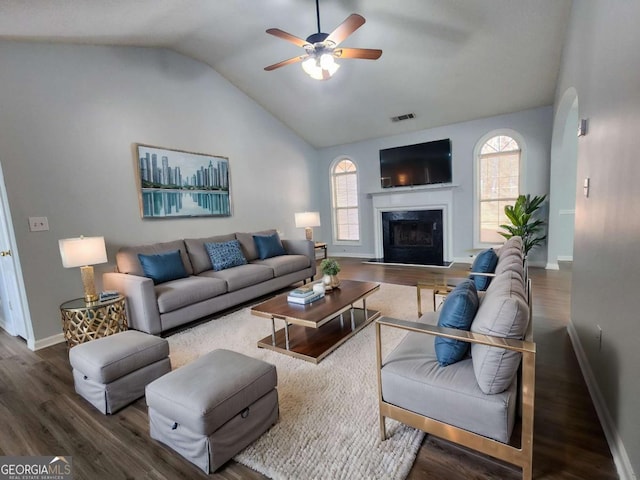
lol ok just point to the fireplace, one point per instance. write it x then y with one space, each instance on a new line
434 198
413 236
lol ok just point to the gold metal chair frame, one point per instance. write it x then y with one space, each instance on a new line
521 456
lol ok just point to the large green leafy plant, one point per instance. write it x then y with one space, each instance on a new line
525 223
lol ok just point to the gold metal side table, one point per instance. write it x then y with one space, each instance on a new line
82 322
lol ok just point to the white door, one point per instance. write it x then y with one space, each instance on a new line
12 307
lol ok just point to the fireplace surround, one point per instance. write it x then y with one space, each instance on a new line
428 199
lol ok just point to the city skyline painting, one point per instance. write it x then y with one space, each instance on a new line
175 183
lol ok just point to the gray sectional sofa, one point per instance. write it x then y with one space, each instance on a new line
156 308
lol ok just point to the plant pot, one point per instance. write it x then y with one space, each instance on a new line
331 281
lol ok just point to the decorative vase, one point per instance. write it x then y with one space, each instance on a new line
331 281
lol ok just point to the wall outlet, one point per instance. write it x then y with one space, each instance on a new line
38 224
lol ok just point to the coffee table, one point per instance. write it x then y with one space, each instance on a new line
313 331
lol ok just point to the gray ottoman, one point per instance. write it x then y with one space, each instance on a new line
211 409
113 371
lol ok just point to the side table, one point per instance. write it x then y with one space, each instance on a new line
439 293
322 247
82 321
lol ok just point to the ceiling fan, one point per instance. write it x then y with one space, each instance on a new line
322 48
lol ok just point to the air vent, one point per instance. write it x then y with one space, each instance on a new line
406 116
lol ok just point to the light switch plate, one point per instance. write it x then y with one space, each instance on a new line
38 224
585 187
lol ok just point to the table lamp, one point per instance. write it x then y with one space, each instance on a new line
307 220
84 252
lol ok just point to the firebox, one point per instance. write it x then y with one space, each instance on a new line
413 236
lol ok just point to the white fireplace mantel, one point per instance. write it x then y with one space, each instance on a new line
428 198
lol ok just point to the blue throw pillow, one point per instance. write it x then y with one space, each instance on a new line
163 267
268 246
457 311
225 254
485 262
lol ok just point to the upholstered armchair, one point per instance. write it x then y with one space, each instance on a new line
475 399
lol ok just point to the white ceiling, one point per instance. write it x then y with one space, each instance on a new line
444 60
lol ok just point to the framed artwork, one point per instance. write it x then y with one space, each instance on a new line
173 183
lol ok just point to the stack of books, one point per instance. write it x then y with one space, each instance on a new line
303 295
108 295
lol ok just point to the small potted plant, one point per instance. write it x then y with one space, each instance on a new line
330 269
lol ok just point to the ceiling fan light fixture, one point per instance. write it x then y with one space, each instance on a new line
320 68
326 61
320 48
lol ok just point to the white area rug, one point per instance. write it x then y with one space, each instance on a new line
328 426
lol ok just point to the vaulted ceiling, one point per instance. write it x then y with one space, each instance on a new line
446 61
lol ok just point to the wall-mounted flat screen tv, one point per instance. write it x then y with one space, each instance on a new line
412 165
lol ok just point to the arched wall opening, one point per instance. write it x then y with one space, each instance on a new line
562 180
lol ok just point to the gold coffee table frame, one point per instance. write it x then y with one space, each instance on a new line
313 331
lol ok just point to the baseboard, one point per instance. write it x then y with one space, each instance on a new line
350 255
537 263
46 342
552 266
619 453
565 258
468 260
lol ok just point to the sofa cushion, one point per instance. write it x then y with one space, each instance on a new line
499 315
285 264
511 242
187 291
268 246
242 276
508 283
249 245
225 254
411 378
485 262
512 251
511 262
457 311
200 260
162 267
128 262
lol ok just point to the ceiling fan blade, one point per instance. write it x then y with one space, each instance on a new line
366 53
286 62
346 28
287 36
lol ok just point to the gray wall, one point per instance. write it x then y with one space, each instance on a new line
602 62
533 125
69 117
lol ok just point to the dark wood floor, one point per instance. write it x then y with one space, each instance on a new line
41 414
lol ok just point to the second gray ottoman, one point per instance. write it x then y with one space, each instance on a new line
113 371
211 409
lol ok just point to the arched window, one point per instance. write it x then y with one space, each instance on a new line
498 176
344 195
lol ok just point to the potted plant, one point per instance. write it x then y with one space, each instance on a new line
330 269
524 223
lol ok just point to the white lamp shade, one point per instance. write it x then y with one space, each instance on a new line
307 219
82 251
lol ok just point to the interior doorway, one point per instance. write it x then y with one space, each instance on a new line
563 182
14 313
